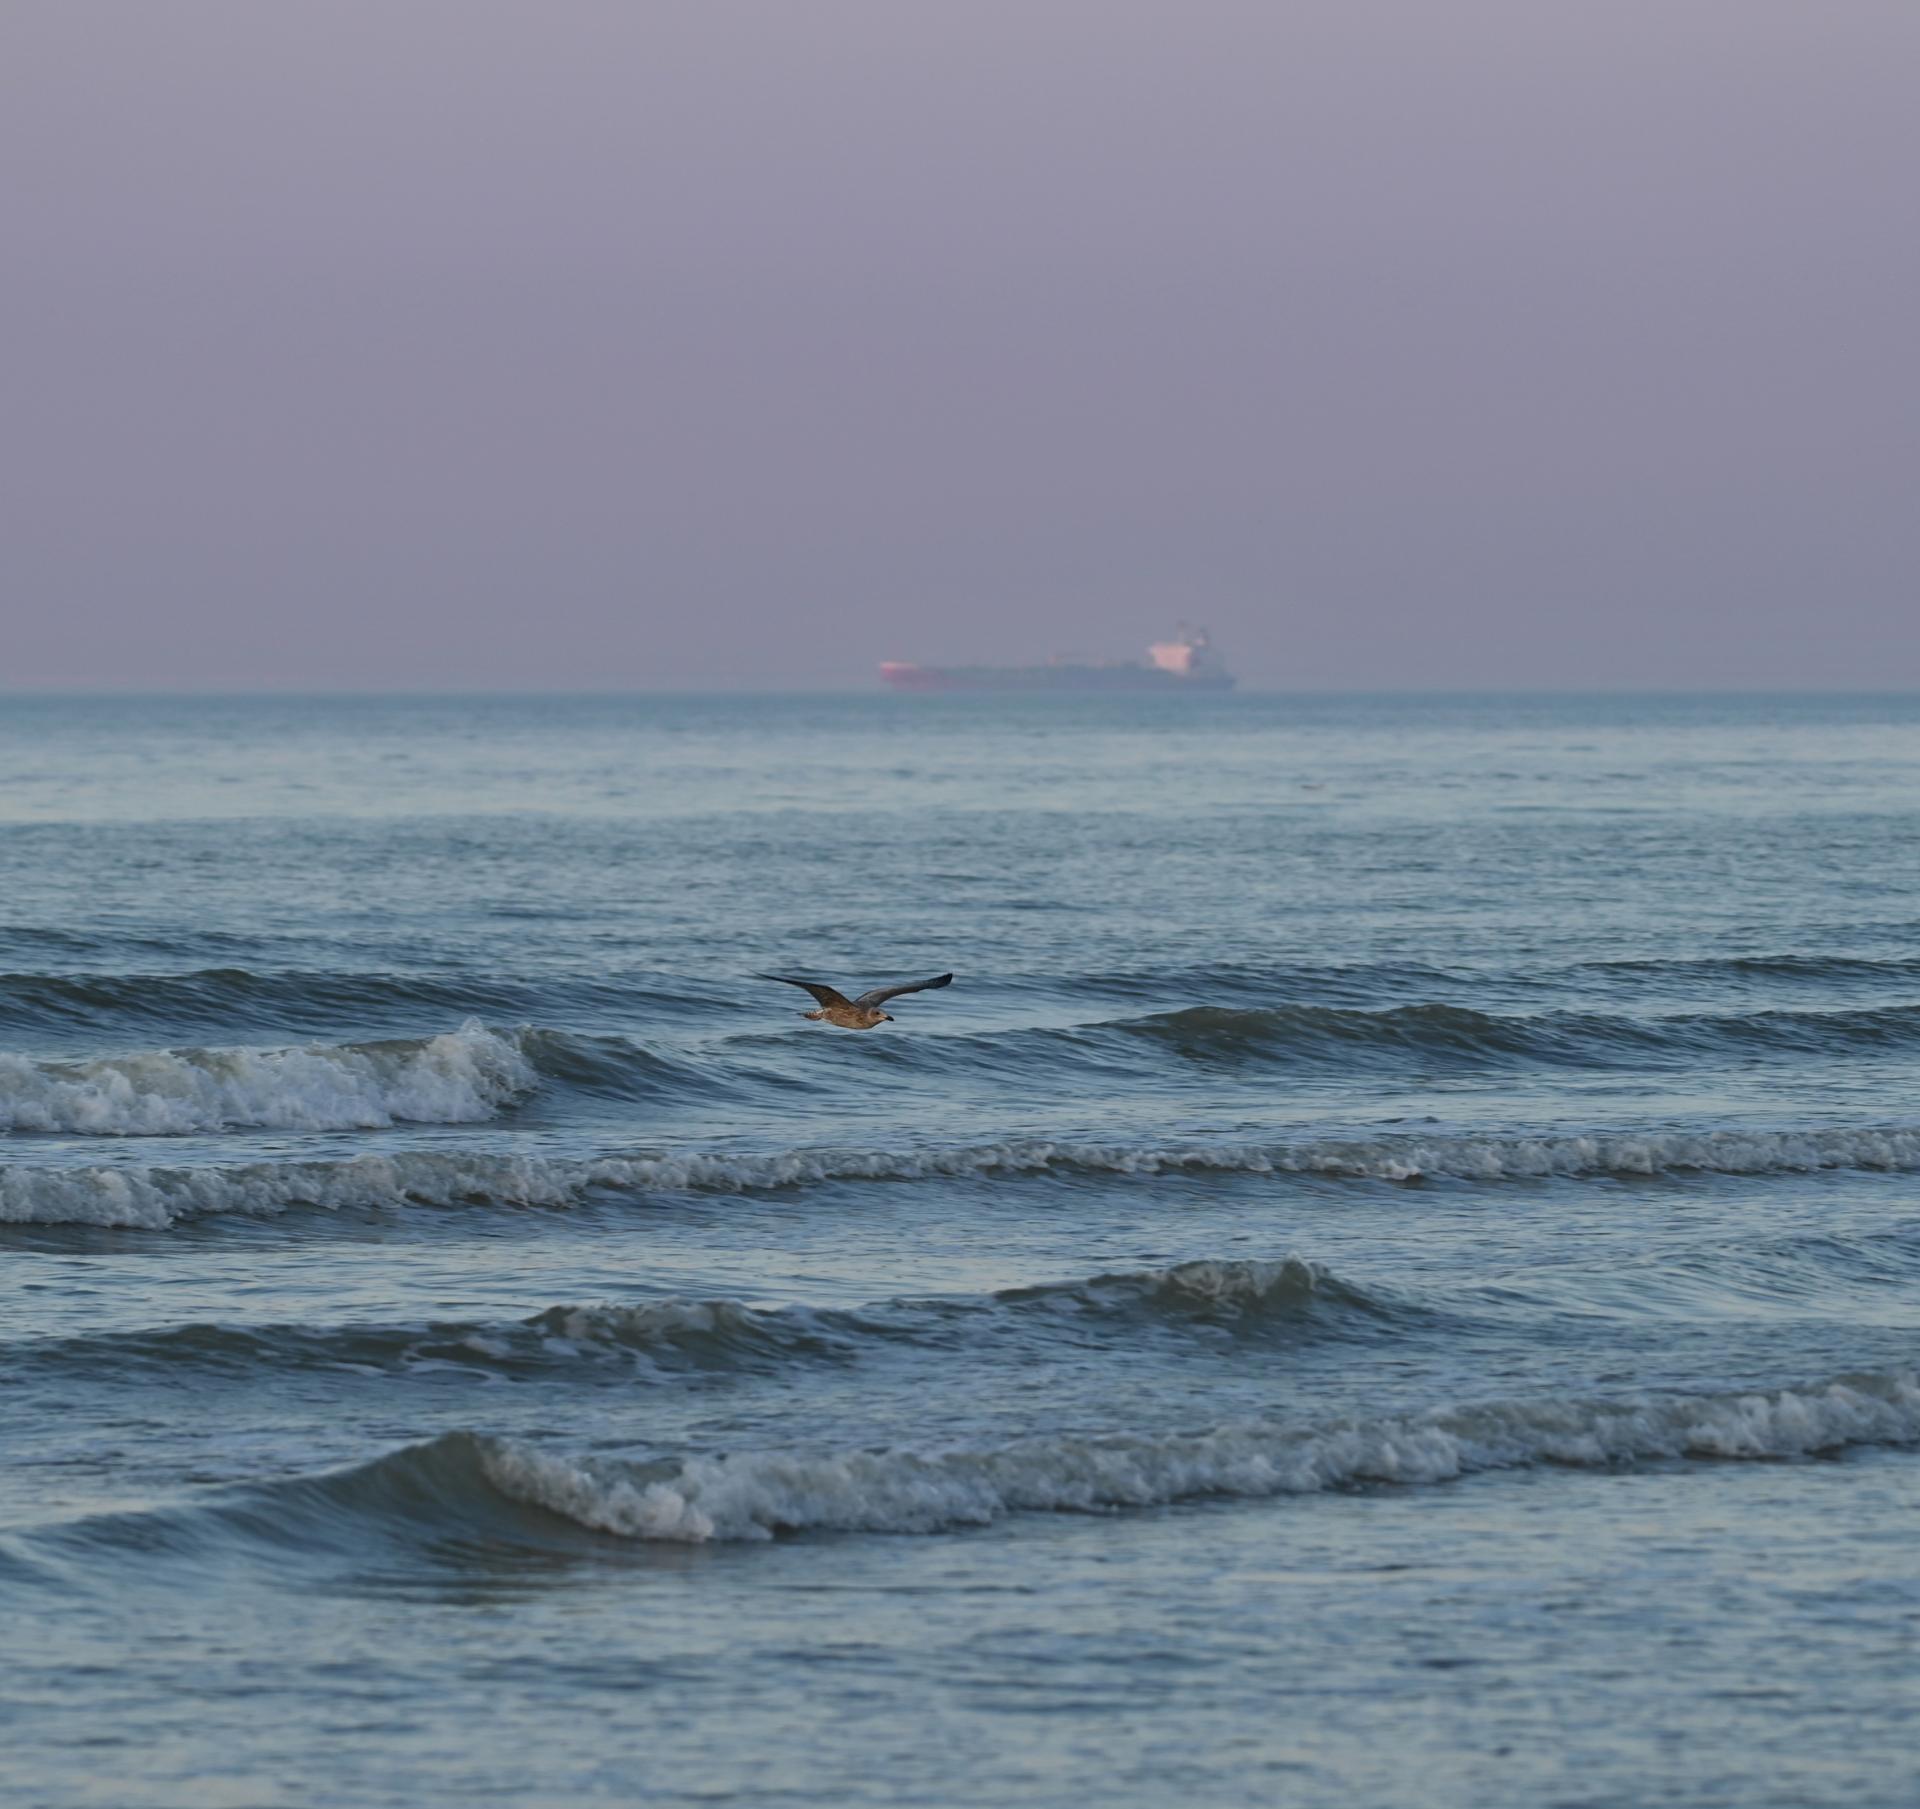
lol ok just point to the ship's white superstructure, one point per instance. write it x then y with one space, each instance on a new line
1189 654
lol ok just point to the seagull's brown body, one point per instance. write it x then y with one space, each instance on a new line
861 1013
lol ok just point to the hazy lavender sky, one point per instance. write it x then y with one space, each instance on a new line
574 342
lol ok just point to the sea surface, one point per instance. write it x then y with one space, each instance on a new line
1391 1277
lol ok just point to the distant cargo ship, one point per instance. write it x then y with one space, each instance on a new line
1187 662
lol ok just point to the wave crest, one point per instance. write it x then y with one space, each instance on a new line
461 1077
1238 1290
720 1333
154 1197
757 1494
1294 1034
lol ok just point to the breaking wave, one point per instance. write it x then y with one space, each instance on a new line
464 1483
461 1077
757 1494
153 1197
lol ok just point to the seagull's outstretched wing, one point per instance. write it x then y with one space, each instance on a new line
881 994
825 994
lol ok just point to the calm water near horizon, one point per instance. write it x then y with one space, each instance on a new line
1391 1277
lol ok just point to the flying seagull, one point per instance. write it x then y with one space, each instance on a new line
856 1014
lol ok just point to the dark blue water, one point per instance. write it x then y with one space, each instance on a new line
1391 1276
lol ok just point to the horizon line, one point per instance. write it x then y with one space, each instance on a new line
738 688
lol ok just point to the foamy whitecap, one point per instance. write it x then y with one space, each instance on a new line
472 1078
755 1494
461 1077
141 1197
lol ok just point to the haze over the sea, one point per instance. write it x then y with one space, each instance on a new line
465 343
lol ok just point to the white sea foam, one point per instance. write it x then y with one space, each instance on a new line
1489 1158
1724 1152
152 1198
470 1073
461 1077
755 1494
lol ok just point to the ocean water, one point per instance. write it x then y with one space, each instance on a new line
1392 1276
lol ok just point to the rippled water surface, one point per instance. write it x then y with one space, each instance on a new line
1392 1275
